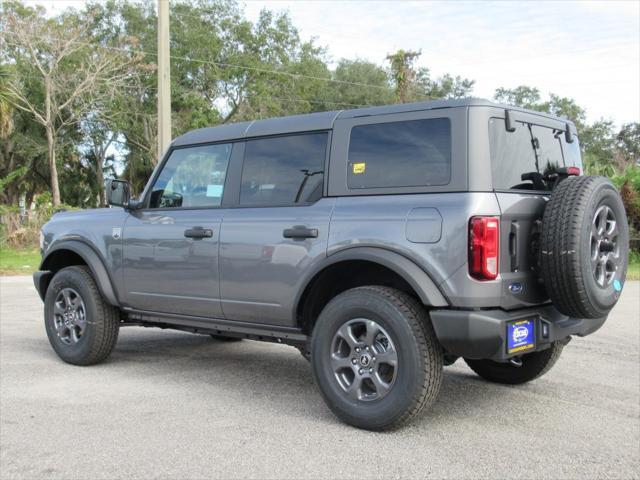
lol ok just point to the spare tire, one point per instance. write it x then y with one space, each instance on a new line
584 246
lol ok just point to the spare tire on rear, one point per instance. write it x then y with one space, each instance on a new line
584 246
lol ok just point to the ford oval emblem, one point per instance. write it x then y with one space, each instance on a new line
515 287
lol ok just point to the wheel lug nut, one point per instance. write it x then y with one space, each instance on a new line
373 358
371 370
357 349
361 371
367 349
354 361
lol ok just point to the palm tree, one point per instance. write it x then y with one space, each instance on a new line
6 107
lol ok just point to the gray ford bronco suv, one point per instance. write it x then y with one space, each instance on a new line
382 242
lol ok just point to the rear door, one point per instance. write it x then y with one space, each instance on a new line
537 146
277 229
170 247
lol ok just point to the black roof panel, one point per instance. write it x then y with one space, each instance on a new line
322 120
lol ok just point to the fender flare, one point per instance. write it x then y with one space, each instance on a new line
90 257
416 277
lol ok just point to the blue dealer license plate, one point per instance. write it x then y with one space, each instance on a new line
521 336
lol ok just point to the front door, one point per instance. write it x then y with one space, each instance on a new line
278 228
170 247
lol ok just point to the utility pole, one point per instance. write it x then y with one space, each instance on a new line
164 80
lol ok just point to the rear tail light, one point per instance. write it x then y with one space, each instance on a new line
484 243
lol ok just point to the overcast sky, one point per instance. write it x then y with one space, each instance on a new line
589 51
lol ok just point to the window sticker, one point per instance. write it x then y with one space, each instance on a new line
214 190
359 168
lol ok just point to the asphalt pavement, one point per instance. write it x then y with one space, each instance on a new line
175 405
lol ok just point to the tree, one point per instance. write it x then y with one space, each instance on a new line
74 74
403 72
416 84
99 139
6 107
349 89
628 143
522 96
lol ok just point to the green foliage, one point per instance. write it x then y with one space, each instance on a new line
628 182
6 107
633 271
346 91
522 96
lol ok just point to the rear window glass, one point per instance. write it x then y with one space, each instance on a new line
531 149
400 154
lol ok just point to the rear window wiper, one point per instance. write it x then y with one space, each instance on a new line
536 178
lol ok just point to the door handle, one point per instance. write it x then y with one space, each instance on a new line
198 232
300 231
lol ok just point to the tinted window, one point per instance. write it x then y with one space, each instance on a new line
400 154
530 148
192 177
283 170
571 151
547 148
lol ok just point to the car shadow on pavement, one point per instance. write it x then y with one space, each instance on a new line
280 376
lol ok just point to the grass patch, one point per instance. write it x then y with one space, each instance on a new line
18 261
633 272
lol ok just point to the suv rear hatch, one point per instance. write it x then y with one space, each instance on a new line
524 159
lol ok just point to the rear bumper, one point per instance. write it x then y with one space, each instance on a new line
482 334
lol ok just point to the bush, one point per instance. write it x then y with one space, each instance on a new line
628 182
23 231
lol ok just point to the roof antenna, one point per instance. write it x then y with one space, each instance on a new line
507 122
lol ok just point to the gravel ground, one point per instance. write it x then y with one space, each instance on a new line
174 405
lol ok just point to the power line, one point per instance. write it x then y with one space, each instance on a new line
222 64
315 101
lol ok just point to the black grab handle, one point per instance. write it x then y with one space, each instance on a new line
198 232
300 231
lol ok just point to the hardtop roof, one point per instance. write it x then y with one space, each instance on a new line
325 120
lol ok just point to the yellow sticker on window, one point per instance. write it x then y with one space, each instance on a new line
359 168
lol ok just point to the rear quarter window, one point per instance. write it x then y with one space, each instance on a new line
410 153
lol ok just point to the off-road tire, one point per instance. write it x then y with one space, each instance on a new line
103 320
534 365
419 357
566 247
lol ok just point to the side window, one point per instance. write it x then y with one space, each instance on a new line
410 153
283 171
192 177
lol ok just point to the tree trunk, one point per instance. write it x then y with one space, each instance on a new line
53 169
102 198
55 187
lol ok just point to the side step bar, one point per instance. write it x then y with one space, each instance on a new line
252 331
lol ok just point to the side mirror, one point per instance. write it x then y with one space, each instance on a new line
118 193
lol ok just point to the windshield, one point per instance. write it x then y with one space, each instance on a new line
522 158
